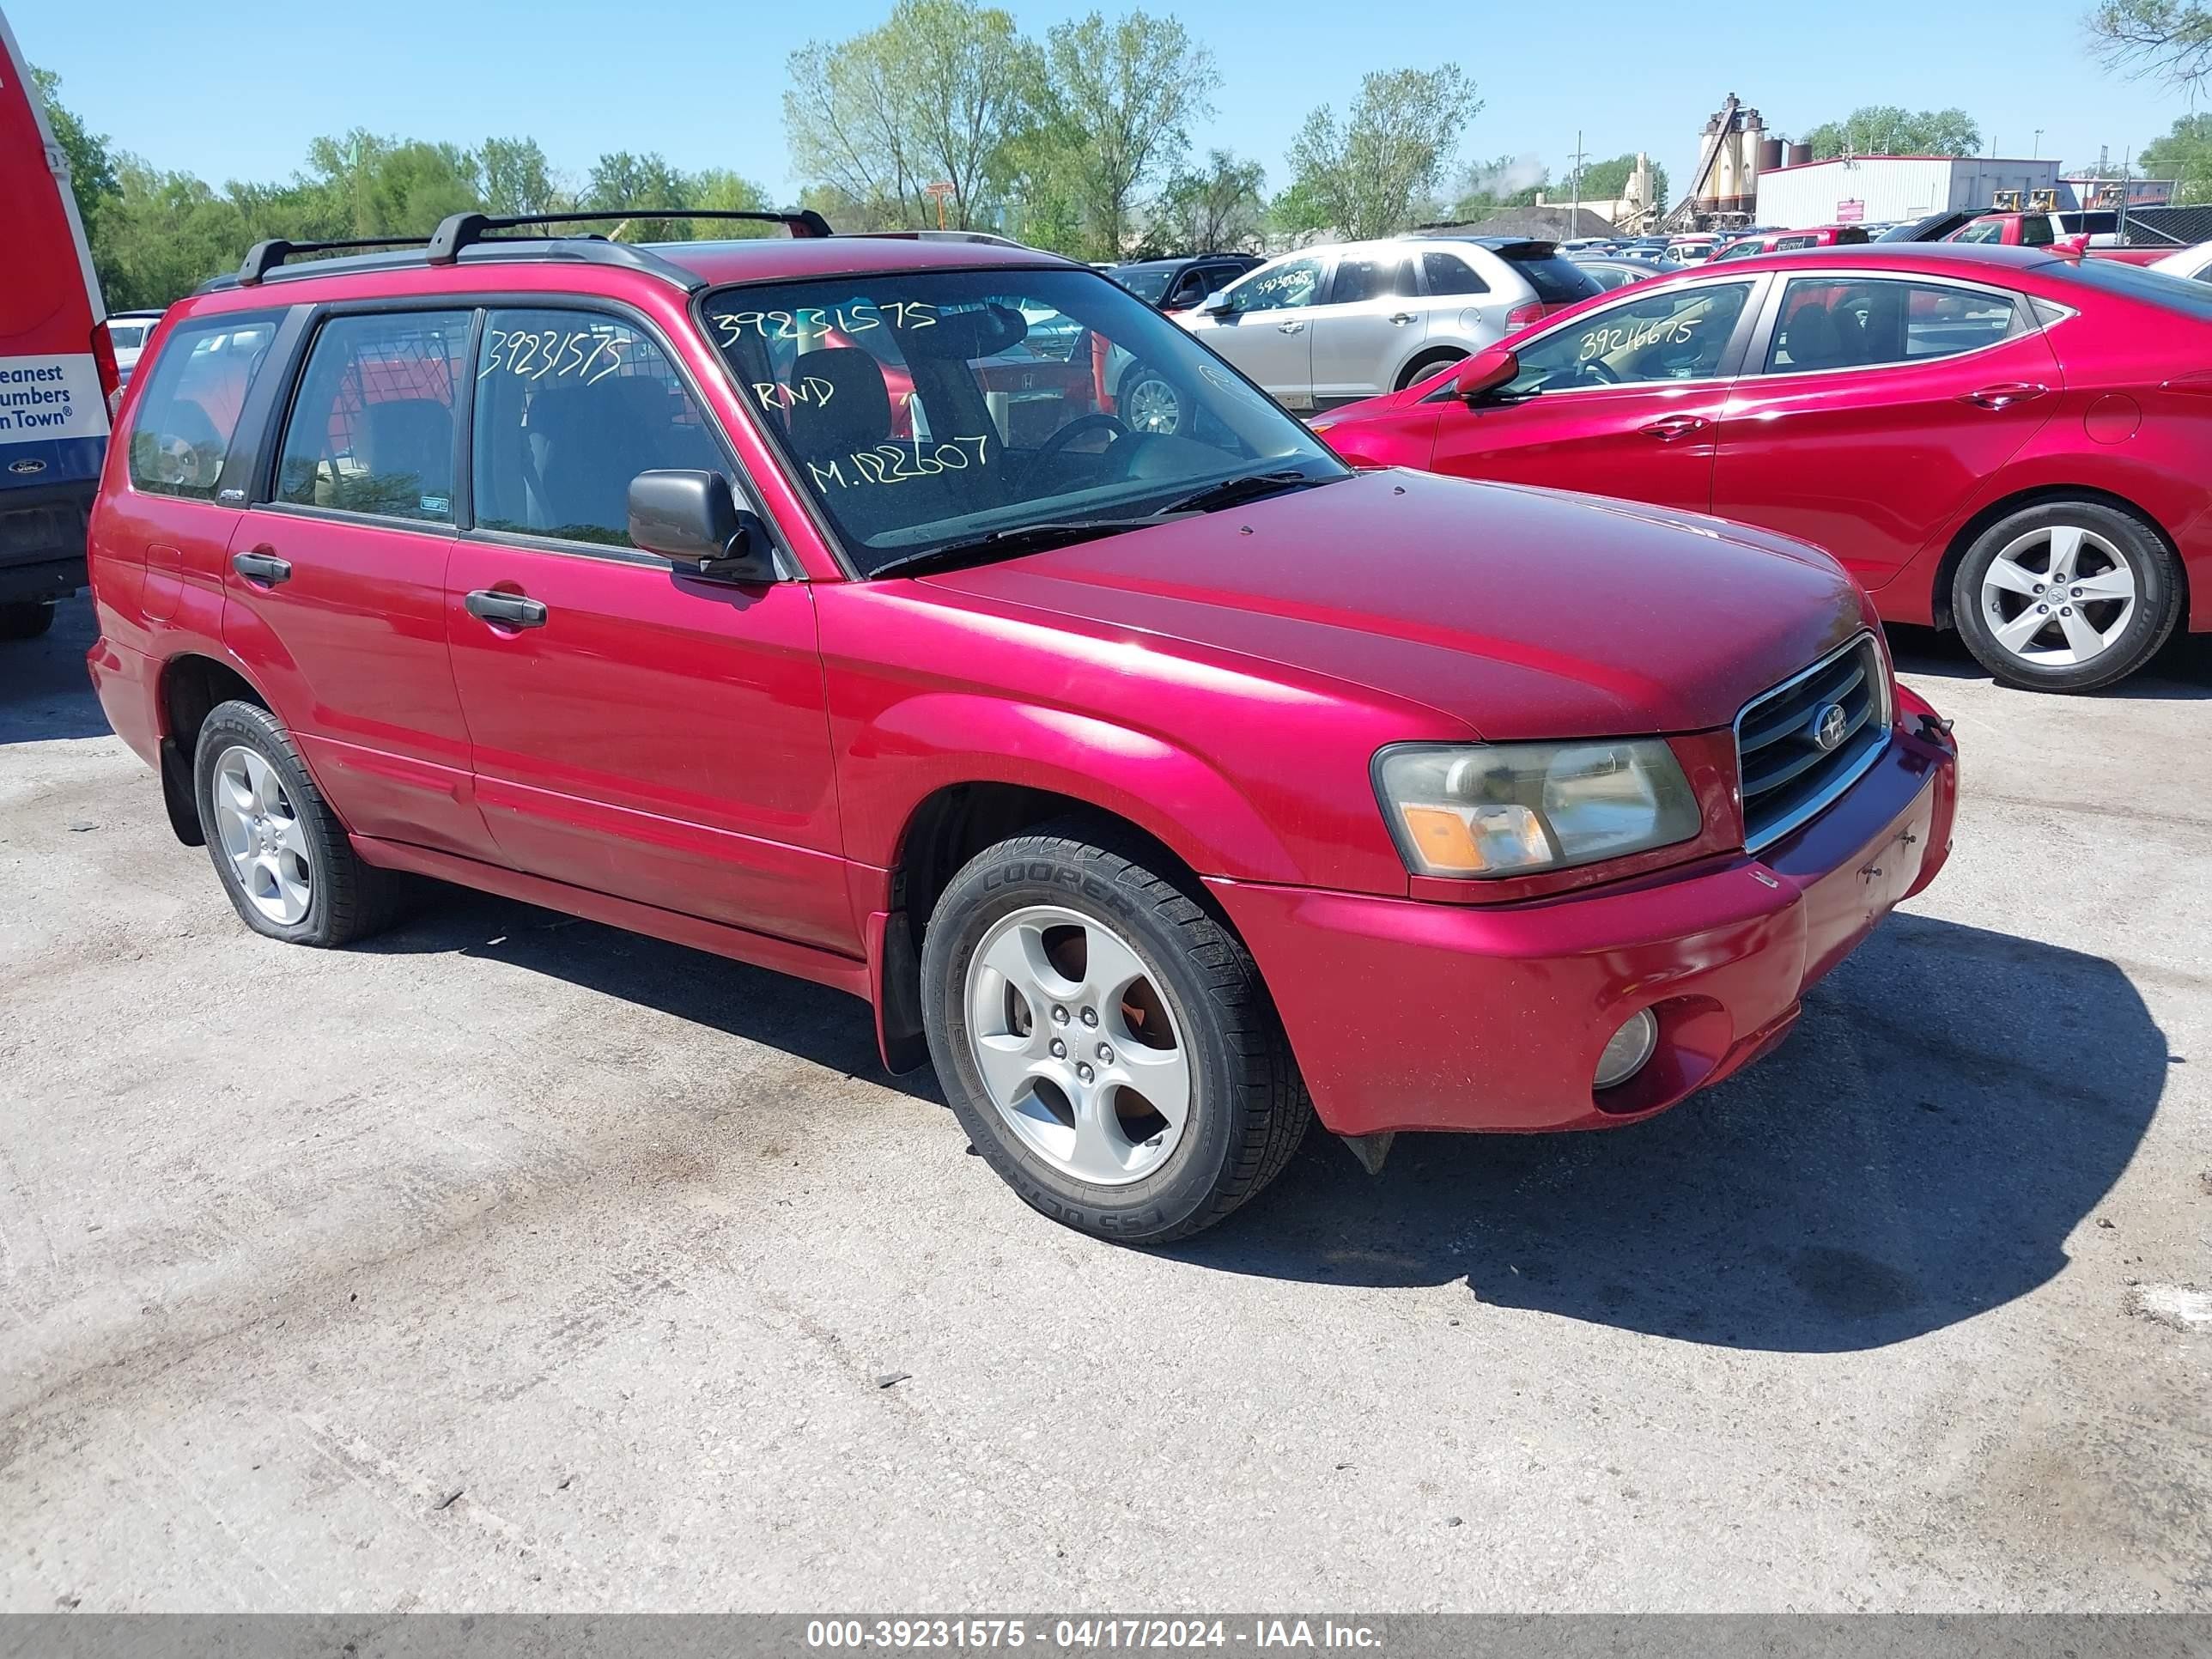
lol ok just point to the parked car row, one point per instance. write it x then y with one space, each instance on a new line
1992 439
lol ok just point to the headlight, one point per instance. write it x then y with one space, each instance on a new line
1486 809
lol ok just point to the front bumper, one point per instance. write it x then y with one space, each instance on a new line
1411 1014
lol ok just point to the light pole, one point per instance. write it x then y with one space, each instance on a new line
2036 154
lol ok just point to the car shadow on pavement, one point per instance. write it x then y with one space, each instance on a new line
2180 672
1953 1105
45 691
808 1021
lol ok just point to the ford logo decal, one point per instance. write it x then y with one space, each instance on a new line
27 466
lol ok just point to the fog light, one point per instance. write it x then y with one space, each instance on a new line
1630 1047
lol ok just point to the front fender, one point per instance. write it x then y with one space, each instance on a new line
933 740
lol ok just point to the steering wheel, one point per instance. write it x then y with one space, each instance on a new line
1599 370
1075 429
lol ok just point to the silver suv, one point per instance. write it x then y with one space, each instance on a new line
1330 325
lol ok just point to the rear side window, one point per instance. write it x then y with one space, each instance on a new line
1827 324
1449 274
181 427
1558 280
571 406
372 425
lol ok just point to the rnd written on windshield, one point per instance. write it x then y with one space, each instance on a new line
1092 1634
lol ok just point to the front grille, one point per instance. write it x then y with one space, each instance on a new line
1787 776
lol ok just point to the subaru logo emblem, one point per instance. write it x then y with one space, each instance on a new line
27 466
1828 727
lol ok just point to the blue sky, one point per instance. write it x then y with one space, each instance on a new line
240 91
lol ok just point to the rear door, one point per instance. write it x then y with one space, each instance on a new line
637 731
54 387
336 583
1872 408
1373 322
1624 400
1267 330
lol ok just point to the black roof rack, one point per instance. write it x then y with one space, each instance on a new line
461 230
265 257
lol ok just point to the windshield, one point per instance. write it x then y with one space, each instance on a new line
1147 282
2158 288
922 409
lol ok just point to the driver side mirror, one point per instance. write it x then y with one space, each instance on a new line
1217 303
692 520
1481 375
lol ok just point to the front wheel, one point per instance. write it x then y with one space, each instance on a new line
1107 1045
2067 596
1151 403
1427 364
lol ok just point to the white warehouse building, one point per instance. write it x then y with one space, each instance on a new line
1876 188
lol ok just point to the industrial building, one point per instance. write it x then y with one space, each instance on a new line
1872 189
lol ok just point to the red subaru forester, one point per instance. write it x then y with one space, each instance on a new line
1160 788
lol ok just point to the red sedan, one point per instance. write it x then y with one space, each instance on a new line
2006 440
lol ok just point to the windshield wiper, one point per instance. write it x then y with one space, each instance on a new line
1229 492
1009 543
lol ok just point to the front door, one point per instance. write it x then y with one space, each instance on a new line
1267 330
1623 401
637 732
1876 410
334 587
1373 322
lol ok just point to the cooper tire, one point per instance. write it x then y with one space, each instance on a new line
1247 1108
2026 631
276 843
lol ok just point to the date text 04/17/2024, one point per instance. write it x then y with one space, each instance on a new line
1085 1634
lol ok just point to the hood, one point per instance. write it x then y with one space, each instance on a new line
1520 612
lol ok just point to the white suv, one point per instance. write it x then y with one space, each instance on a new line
1331 325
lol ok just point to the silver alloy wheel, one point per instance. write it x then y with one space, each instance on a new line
262 836
1154 406
2059 596
1076 1047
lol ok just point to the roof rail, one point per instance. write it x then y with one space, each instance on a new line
460 230
265 257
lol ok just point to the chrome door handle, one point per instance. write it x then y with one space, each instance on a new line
2003 395
505 610
1290 328
262 567
1675 426
1401 316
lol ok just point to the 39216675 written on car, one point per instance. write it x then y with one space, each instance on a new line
1163 782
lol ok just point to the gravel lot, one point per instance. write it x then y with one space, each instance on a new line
616 1242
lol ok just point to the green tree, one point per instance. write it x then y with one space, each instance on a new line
163 235
517 178
621 182
931 95
727 192
2171 39
1121 96
2184 153
1368 176
93 180
1219 208
1889 129
378 186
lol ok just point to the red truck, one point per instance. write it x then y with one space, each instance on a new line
2100 228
